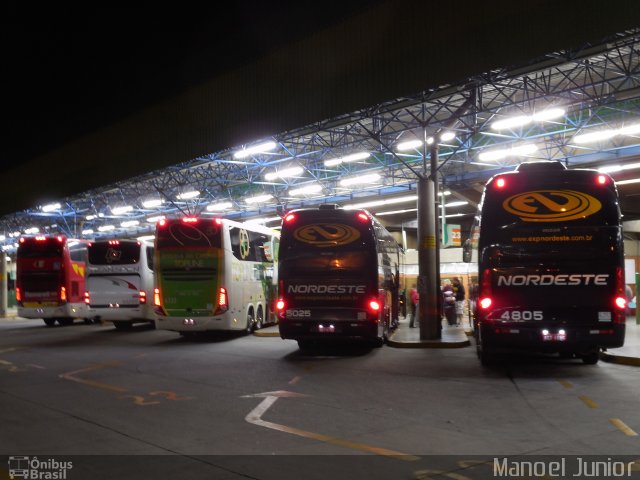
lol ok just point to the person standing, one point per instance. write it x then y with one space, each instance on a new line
414 297
458 289
449 302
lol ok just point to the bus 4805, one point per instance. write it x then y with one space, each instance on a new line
50 278
548 242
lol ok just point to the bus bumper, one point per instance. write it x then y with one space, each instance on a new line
68 310
549 339
197 324
328 330
141 312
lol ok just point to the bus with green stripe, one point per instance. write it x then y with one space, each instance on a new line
214 274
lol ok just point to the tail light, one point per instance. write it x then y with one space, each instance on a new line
374 306
363 217
485 289
87 298
143 297
162 222
601 179
500 182
289 218
156 298
63 294
620 300
223 302
280 307
190 220
19 295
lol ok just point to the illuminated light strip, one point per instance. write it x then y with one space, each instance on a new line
260 148
623 427
254 417
628 182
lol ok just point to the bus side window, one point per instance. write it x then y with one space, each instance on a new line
150 258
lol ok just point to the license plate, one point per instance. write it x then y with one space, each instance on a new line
554 337
322 328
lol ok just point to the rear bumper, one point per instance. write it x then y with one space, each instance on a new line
141 312
328 330
507 338
68 310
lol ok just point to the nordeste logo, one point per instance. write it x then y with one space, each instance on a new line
551 205
326 234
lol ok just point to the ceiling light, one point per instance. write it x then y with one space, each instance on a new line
260 148
156 218
630 129
219 207
595 136
512 122
121 210
259 198
146 237
618 168
411 144
188 195
456 204
626 182
508 152
285 173
88 231
129 223
91 217
377 203
106 228
354 157
51 207
446 136
306 190
32 230
395 212
152 203
548 114
371 178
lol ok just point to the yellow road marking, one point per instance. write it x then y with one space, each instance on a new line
92 383
588 402
565 383
294 380
254 418
623 427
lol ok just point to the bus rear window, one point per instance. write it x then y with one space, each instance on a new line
200 233
122 253
50 248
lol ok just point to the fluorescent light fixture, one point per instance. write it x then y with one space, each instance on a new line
32 230
156 202
259 198
512 122
627 182
395 212
262 221
88 231
411 144
156 218
445 193
106 228
519 150
354 157
130 223
16 234
260 148
548 114
219 207
430 140
51 207
284 173
306 190
188 195
593 137
146 238
121 210
446 136
91 217
377 203
456 204
618 168
371 178
630 129
2 238
455 215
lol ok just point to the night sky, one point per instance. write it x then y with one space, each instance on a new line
59 84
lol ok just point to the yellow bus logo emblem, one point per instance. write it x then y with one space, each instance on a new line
326 234
552 205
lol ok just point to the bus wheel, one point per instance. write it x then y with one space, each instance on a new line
120 325
259 319
251 322
65 321
49 322
591 358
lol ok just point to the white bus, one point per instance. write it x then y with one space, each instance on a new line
120 282
214 274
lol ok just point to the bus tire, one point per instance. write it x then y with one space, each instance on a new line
49 322
259 318
591 358
251 322
65 321
122 325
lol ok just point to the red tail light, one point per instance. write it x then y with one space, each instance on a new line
87 298
601 179
156 298
114 242
501 182
60 238
40 238
218 221
143 297
485 289
374 306
63 294
281 306
18 295
190 220
289 218
21 240
162 223
223 302
620 300
363 217
621 303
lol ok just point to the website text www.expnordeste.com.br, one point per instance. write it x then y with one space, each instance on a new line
553 238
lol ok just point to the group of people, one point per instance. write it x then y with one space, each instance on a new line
452 296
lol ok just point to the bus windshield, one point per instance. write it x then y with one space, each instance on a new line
49 248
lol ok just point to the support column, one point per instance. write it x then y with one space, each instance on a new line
4 293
